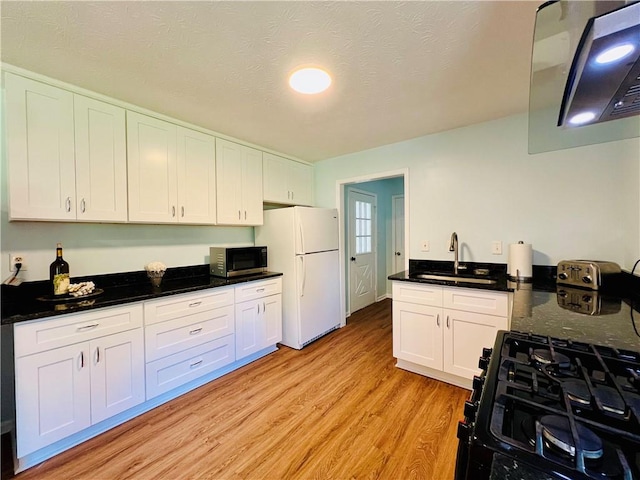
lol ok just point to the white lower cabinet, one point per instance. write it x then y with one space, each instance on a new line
444 329
187 336
63 390
259 317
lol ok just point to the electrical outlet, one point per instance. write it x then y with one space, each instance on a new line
496 247
425 246
16 258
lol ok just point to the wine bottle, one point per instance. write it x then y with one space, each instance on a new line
59 273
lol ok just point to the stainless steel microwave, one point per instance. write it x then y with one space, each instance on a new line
236 261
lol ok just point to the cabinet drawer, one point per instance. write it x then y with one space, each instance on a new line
175 370
479 301
55 332
253 290
421 294
173 336
156 311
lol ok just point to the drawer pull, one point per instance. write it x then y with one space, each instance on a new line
193 365
260 290
195 304
87 327
195 331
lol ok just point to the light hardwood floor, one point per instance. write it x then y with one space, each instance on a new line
338 409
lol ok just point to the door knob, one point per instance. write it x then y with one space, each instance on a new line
398 253
353 259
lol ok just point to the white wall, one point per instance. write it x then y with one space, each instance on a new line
480 182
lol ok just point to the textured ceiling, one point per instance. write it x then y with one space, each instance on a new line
401 70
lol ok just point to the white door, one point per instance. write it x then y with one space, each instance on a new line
101 160
362 250
252 186
151 163
417 334
196 177
316 229
40 149
229 182
117 374
397 220
249 331
318 276
52 396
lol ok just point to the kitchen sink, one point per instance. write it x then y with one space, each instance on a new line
454 278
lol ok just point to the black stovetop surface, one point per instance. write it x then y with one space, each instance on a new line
570 409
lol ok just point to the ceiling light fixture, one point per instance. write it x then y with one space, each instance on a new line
309 80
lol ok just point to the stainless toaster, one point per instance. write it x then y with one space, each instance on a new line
592 274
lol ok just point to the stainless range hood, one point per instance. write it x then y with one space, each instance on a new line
585 75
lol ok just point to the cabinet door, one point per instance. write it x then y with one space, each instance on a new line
465 334
250 332
151 150
52 396
101 161
196 177
252 187
229 182
40 150
300 184
417 334
117 374
272 313
276 179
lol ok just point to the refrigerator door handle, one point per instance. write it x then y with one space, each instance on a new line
302 250
304 276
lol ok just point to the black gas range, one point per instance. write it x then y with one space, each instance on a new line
551 408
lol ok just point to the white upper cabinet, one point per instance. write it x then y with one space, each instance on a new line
153 188
101 161
171 172
239 184
40 149
196 177
287 182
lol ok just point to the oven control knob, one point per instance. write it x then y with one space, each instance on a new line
464 431
478 383
563 276
483 363
470 409
486 352
586 279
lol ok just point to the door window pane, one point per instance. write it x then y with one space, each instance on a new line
363 227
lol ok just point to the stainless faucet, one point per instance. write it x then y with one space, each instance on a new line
453 247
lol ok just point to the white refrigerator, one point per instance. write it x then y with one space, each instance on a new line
302 243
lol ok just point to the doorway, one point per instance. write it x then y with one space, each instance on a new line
383 186
362 249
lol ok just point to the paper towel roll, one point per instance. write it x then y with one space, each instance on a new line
519 266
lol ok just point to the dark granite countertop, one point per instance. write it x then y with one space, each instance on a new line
21 303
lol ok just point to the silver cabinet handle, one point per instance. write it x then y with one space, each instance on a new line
87 327
97 354
245 214
447 321
292 195
68 204
438 319
182 210
83 205
258 306
173 211
264 307
195 364
239 217
195 304
195 331
81 359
